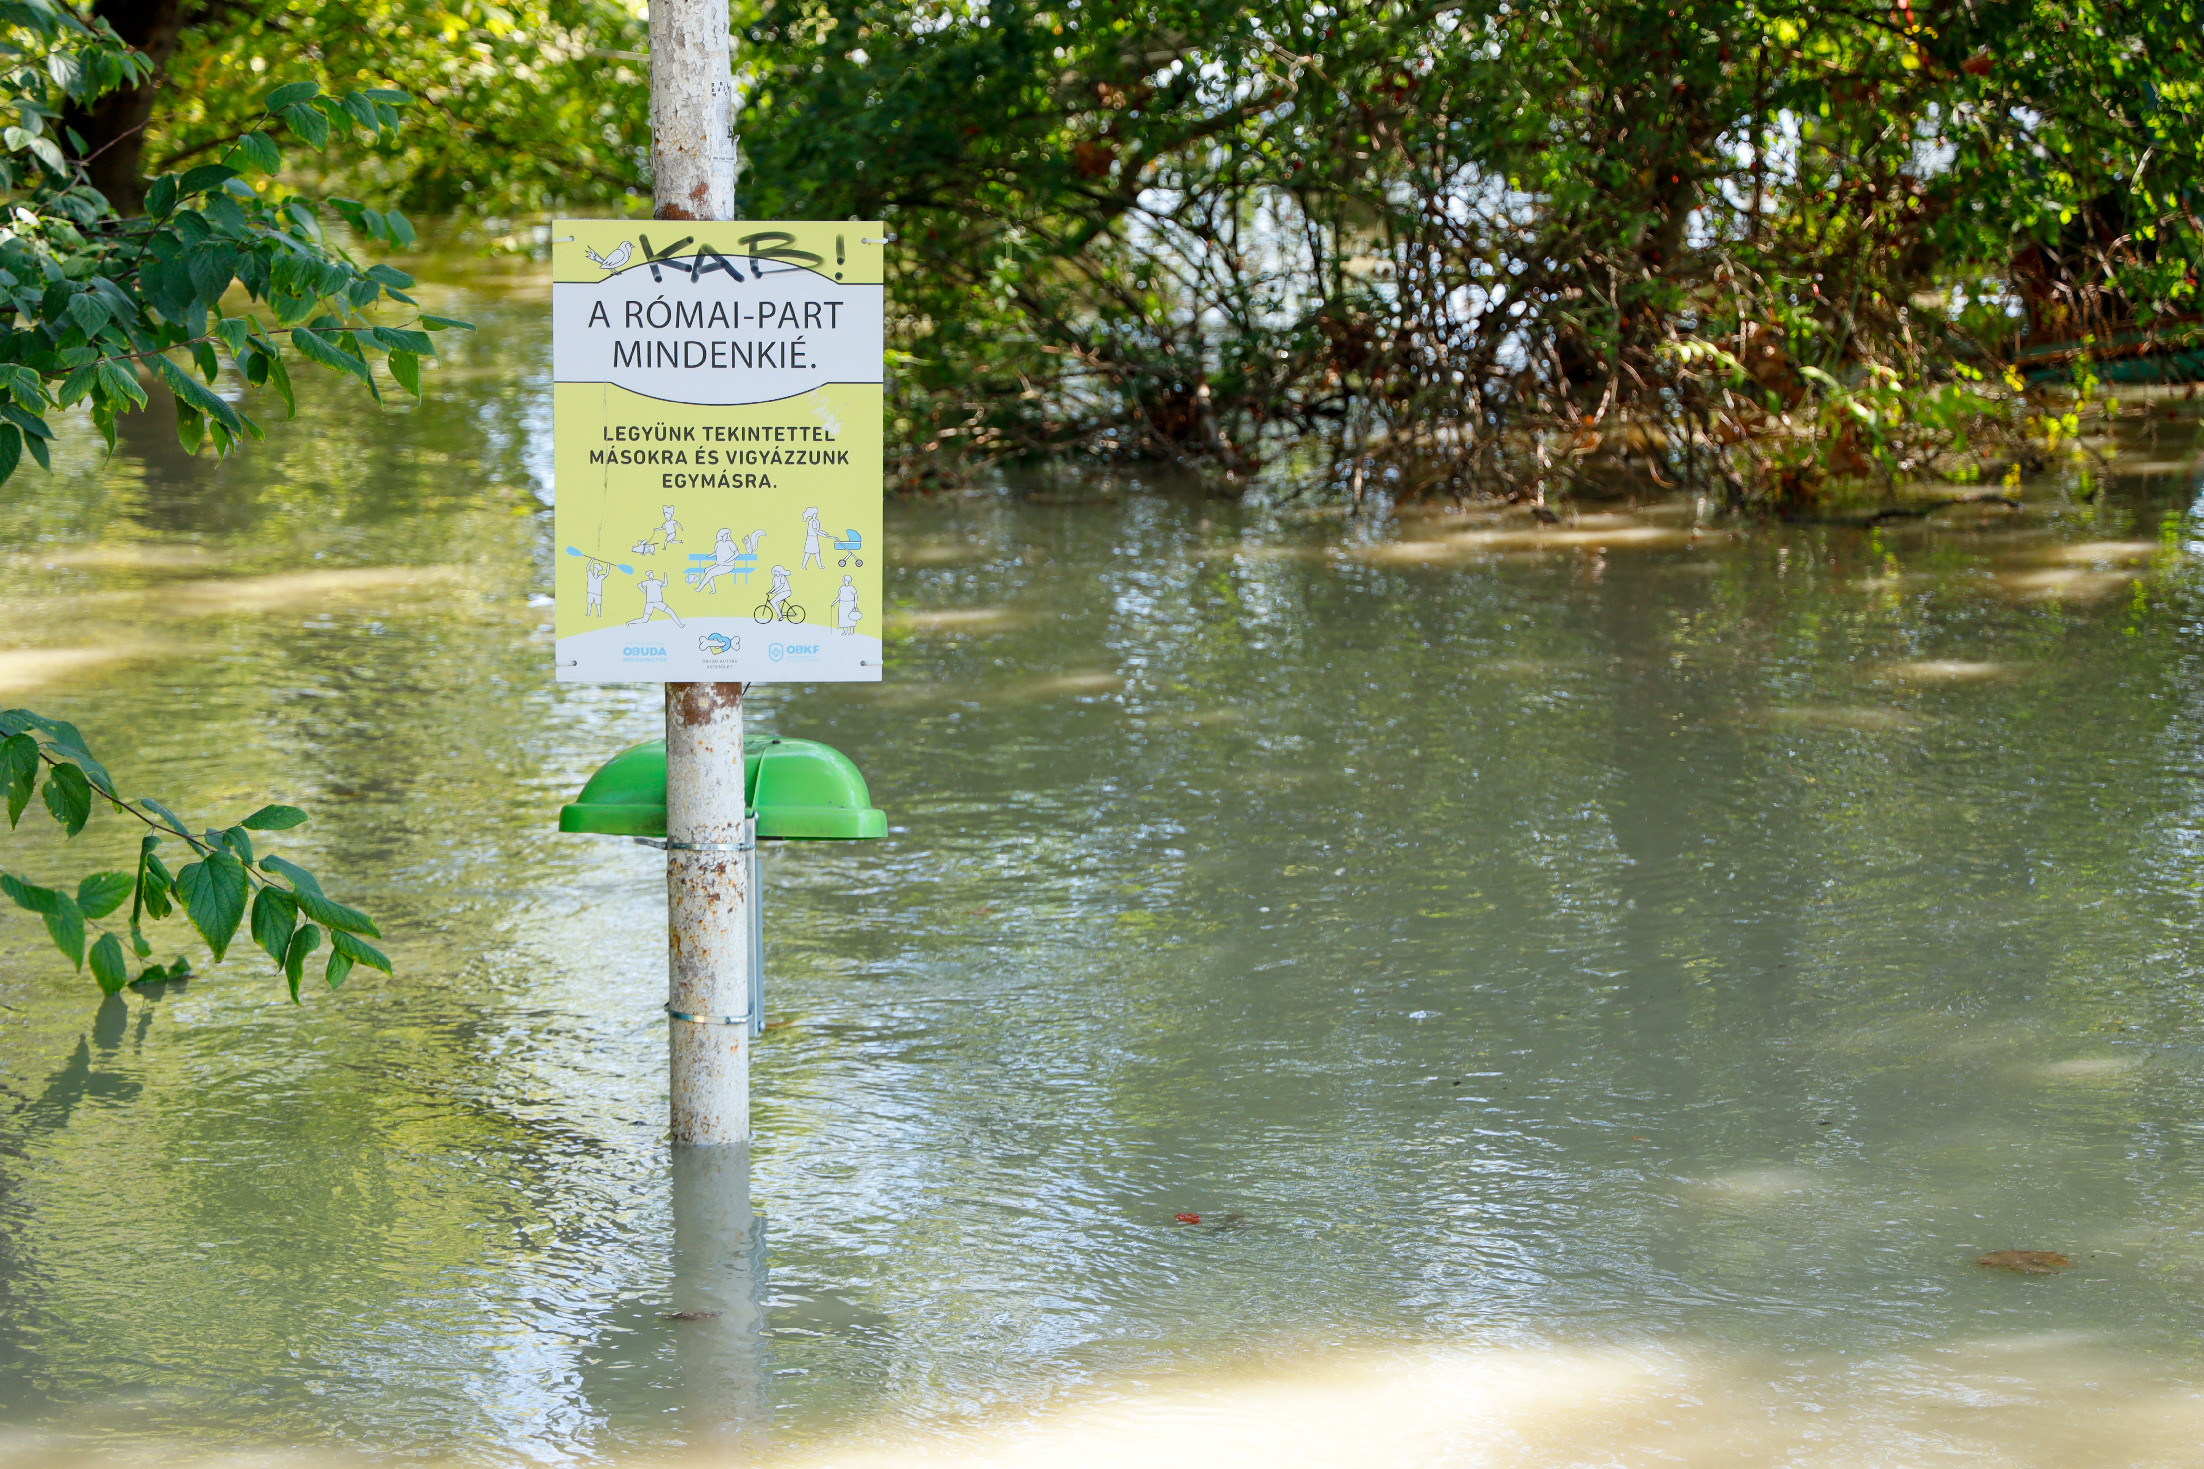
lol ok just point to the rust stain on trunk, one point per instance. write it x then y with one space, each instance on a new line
696 704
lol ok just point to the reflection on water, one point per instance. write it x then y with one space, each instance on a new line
1620 974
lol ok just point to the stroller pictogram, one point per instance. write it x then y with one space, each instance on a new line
850 548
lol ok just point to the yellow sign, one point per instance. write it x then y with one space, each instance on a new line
717 447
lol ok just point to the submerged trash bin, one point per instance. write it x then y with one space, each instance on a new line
794 791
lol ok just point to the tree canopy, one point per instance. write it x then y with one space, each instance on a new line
1438 247
524 108
1493 245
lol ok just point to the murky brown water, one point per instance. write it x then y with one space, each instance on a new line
1600 987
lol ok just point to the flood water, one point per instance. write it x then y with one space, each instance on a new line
1599 987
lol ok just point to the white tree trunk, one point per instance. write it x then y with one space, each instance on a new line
708 901
707 895
692 153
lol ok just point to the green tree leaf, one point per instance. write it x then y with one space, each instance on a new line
109 966
89 312
275 917
358 950
274 818
101 893
175 822
190 391
260 152
28 895
70 745
213 894
155 886
302 945
311 343
310 125
290 94
150 887
64 920
65 926
19 764
206 176
177 968
317 905
69 797
191 427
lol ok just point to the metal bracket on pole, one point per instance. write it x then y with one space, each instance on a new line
748 842
673 1014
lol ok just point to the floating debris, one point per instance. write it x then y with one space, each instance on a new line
2027 1262
693 1316
1187 1218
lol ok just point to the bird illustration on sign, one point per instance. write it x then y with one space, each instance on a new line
616 259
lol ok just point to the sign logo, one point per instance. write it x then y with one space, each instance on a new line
643 654
615 260
718 644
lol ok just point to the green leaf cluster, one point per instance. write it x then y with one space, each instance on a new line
223 879
96 308
539 104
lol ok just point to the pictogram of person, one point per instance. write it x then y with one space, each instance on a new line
722 564
653 587
846 615
812 536
598 571
781 589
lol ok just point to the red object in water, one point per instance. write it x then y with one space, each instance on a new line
1187 1218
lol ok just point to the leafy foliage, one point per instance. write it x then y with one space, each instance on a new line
1498 246
535 105
96 304
214 889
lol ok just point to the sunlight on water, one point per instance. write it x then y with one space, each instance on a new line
1952 670
2025 1401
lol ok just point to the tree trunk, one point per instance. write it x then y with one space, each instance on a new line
113 128
708 892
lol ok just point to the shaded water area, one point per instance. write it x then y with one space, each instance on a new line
1600 987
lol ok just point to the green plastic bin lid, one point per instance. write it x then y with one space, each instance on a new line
799 790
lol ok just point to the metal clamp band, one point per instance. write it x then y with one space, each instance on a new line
748 842
674 1014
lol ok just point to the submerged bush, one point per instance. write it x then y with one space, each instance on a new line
1465 249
